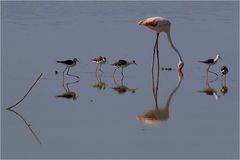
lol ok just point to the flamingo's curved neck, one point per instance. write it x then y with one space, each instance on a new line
170 41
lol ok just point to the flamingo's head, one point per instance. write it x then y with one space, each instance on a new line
149 22
180 65
140 22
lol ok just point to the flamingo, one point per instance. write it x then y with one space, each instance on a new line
160 24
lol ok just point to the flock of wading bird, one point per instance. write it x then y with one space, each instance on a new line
157 114
158 24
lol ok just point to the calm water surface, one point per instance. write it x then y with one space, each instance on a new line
101 123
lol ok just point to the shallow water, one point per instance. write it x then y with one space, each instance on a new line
101 123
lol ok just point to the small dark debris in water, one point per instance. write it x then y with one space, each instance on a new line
91 100
167 68
56 72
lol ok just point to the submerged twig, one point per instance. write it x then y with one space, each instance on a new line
26 93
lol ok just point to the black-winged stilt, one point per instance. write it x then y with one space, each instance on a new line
99 61
122 64
211 62
224 70
69 64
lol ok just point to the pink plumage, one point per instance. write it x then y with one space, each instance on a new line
155 23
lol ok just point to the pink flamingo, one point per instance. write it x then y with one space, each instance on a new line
160 24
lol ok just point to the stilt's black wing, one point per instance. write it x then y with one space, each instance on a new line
208 61
68 62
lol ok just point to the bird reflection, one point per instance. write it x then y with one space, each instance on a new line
29 126
157 115
68 94
224 87
208 90
121 88
99 84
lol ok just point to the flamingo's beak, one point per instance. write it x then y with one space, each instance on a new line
140 22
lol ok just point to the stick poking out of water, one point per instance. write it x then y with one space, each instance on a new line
26 93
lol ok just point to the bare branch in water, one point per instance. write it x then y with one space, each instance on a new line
28 125
26 93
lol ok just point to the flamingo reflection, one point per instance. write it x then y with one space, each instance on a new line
157 115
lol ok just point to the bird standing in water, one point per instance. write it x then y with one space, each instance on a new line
160 24
122 64
224 70
99 61
69 64
211 62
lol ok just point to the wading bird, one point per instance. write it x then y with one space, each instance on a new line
211 62
224 70
122 64
69 64
99 61
160 24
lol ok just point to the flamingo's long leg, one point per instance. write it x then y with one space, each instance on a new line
153 61
158 69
